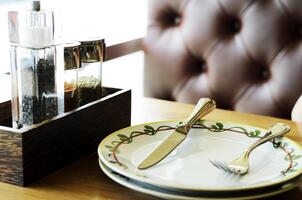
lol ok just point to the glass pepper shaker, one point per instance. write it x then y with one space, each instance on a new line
36 67
90 73
72 63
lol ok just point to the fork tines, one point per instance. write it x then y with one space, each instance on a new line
221 166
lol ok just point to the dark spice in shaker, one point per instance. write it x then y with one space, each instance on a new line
43 105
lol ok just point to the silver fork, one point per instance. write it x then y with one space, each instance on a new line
241 165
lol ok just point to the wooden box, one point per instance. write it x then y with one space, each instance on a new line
26 156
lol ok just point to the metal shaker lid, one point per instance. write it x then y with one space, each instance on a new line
92 50
72 58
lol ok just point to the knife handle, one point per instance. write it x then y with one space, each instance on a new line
203 107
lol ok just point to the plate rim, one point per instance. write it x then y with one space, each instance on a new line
157 183
175 196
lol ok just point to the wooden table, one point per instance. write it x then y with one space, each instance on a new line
84 180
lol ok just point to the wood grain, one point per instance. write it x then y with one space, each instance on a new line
11 168
28 155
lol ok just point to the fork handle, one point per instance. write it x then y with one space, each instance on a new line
275 131
202 108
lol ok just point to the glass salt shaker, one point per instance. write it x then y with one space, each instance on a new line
72 63
90 73
36 67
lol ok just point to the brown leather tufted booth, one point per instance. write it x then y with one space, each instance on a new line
247 55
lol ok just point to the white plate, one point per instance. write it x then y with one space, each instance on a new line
188 166
166 194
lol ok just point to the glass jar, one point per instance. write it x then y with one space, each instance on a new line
36 67
72 64
90 73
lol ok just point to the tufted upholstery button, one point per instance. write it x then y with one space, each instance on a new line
230 25
236 25
264 73
177 20
169 18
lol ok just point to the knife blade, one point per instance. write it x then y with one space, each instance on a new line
203 107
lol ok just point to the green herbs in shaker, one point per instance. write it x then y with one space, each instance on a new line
90 73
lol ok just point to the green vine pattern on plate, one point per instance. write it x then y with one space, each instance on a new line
217 127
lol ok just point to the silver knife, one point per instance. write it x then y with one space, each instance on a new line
203 107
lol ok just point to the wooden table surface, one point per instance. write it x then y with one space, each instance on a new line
84 180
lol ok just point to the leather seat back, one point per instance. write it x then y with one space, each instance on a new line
245 54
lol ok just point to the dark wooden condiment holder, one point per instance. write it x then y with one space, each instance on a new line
27 155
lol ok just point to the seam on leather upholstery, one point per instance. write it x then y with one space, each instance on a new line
208 51
212 48
186 46
283 49
240 94
280 51
179 87
257 64
211 92
285 45
286 10
248 5
218 43
274 100
221 7
215 44
249 55
278 103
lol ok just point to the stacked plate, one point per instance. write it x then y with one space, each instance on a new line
187 172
